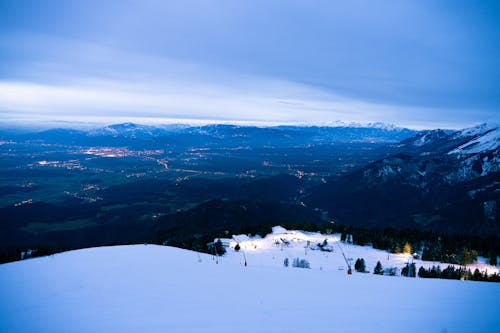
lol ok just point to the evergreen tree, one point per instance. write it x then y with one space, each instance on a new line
422 272
219 248
478 276
359 265
379 270
285 262
493 259
467 256
409 270
300 263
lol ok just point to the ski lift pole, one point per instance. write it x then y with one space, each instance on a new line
410 268
349 270
244 257
216 255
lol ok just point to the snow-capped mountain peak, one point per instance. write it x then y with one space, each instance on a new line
425 138
476 130
484 138
128 130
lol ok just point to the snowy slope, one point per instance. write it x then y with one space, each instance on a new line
485 138
147 288
272 250
476 130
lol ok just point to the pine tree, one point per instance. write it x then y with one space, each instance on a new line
478 276
285 262
359 265
379 270
493 259
422 272
467 256
219 248
300 263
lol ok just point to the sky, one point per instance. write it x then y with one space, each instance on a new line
415 63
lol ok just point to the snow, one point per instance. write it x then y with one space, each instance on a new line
387 170
240 238
486 141
279 230
148 288
490 165
476 130
272 250
422 140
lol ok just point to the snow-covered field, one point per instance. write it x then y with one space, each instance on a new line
148 288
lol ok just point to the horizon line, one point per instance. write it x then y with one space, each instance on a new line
192 122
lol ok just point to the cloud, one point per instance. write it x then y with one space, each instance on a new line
78 81
272 103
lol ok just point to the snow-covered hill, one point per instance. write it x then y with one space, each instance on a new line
147 288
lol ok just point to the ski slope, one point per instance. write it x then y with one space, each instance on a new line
274 248
149 288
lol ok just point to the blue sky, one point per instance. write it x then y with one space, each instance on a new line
422 64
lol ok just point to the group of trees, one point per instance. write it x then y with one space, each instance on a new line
300 263
219 248
410 270
454 273
451 272
360 265
431 246
443 251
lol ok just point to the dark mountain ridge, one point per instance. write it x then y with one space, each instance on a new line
435 180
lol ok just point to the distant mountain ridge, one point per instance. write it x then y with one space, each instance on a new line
375 131
130 134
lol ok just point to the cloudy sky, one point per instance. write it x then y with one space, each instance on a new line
420 64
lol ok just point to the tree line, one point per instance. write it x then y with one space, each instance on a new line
428 245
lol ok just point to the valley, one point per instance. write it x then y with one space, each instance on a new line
61 190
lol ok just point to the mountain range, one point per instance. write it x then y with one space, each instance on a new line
135 134
434 179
